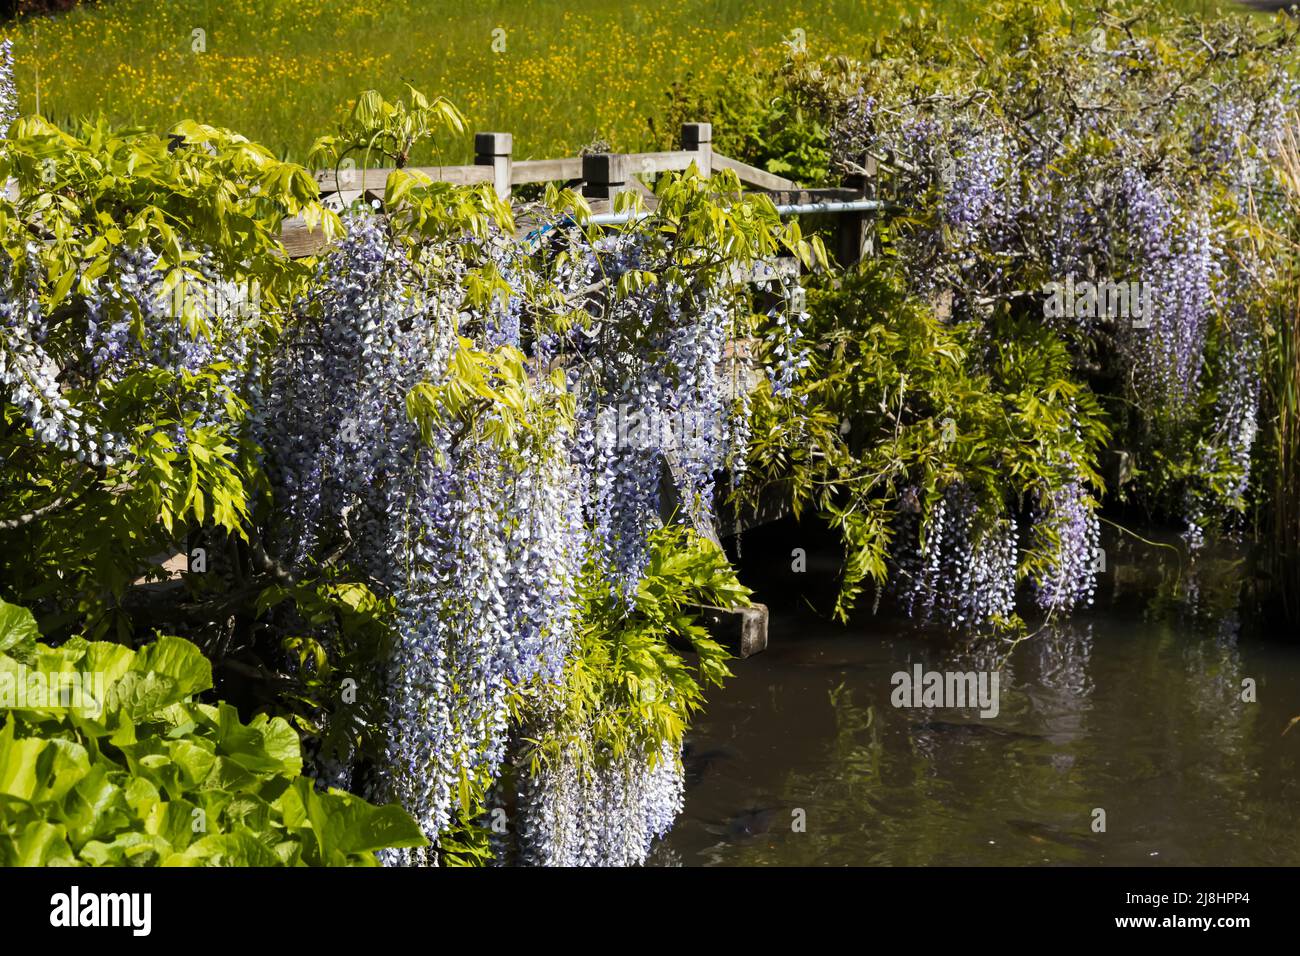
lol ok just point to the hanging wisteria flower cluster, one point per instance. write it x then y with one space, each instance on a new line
653 392
1115 161
479 543
579 812
1178 257
415 423
205 322
957 567
8 91
32 375
1070 580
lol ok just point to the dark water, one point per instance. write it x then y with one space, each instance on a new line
1134 708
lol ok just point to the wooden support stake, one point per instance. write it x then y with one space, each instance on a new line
495 149
741 630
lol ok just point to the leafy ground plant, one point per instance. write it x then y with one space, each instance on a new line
106 759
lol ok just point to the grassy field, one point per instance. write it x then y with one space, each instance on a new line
556 73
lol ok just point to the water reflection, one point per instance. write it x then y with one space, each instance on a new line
1134 711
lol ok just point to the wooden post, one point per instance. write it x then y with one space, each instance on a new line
605 175
871 190
854 238
494 149
741 630
698 137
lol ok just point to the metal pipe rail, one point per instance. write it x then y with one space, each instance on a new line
788 209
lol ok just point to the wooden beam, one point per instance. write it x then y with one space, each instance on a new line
351 180
378 178
546 170
299 241
340 201
604 175
752 175
460 175
853 230
649 164
741 630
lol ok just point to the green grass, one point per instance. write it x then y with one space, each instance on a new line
571 71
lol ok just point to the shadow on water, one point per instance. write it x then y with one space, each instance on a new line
1133 709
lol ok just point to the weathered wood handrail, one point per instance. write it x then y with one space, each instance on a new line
603 176
752 175
546 170
494 162
359 180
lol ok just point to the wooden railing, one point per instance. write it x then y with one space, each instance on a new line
602 176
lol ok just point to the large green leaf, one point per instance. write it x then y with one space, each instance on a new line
35 770
39 843
238 848
178 659
266 745
18 632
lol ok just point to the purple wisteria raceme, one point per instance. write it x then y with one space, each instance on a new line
32 377
1070 514
8 91
655 393
953 566
583 811
480 541
1178 258
480 546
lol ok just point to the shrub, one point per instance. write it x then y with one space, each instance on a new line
106 759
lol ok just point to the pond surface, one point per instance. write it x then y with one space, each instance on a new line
1134 707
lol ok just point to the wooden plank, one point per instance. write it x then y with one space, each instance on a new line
351 180
377 178
648 164
742 631
340 201
805 197
460 175
853 229
604 175
496 150
299 241
752 175
546 170
564 170
698 139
